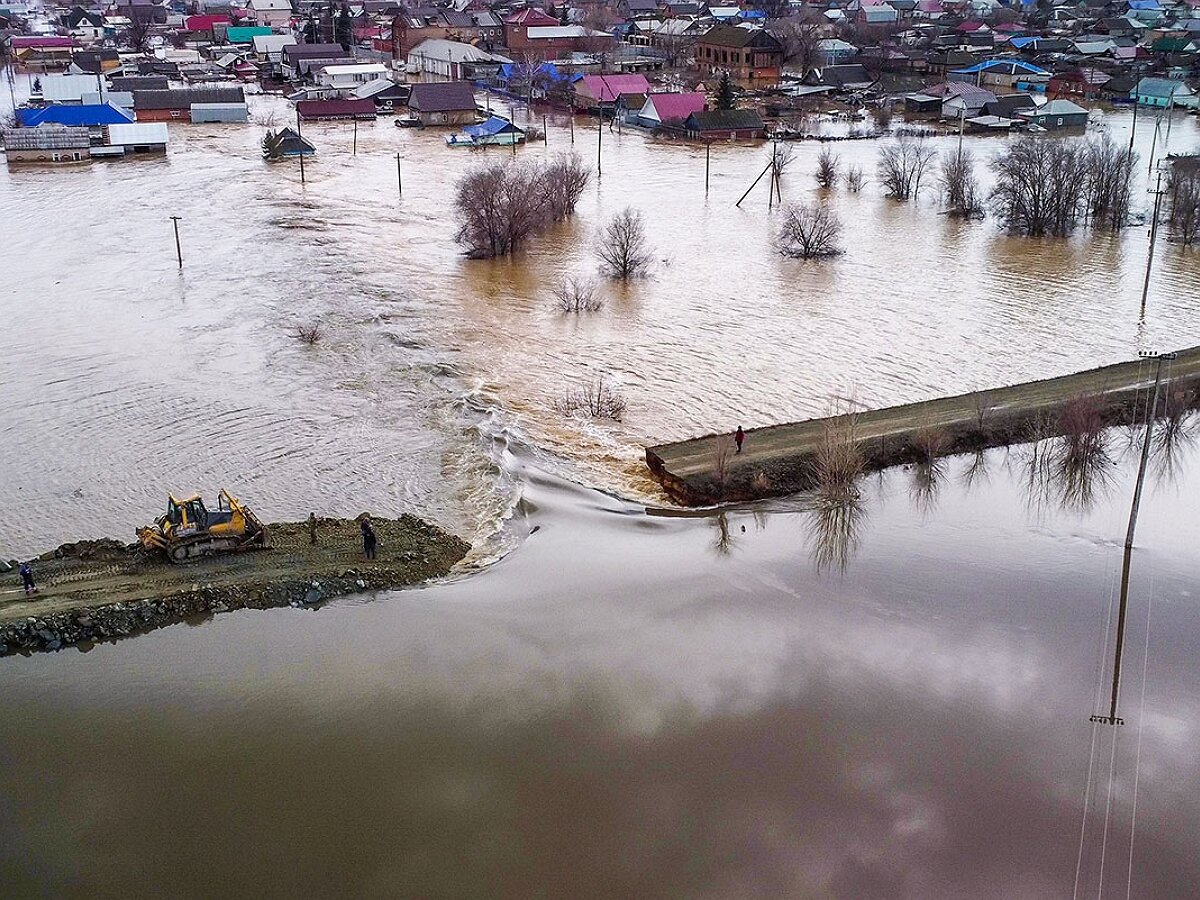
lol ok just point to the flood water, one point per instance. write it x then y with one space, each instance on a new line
785 700
640 705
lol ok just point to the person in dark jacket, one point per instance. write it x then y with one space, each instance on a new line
369 539
739 438
27 578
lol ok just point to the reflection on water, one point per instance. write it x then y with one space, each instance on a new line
617 711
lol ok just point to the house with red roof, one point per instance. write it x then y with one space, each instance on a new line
670 110
207 25
42 53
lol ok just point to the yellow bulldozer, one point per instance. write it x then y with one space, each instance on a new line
190 530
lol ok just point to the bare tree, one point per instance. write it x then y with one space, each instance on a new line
1109 171
883 117
960 187
855 179
801 41
1040 186
827 168
902 165
136 35
310 334
1183 192
622 246
502 204
809 232
575 294
596 399
564 180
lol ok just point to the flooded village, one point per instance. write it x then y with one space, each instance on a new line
600 449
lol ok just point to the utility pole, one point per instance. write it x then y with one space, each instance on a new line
302 165
962 124
545 131
1112 718
399 177
1158 195
299 133
355 151
599 140
178 246
707 154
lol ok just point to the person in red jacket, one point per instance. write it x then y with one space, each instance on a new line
739 438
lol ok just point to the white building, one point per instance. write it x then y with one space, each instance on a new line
352 75
269 47
270 12
444 59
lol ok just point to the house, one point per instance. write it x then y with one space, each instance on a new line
1001 72
479 27
139 137
1009 106
178 104
1082 82
270 13
299 59
451 60
876 14
594 92
207 25
748 54
293 144
1059 113
832 51
961 99
219 113
94 62
443 103
516 26
724 124
94 115
384 93
347 76
85 26
246 35
1163 92
670 109
42 54
495 131
47 143
851 77
269 47
332 110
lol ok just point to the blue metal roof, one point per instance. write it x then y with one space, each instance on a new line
89 115
494 125
1016 64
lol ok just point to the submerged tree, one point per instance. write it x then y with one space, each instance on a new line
501 204
272 145
809 232
960 187
1040 186
1183 201
1109 171
622 246
344 28
827 168
902 165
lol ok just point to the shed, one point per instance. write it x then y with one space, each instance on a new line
331 110
1056 114
734 124
293 144
209 113
246 35
80 116
147 137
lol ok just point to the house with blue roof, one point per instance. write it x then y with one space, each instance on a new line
1001 72
496 131
1163 92
88 115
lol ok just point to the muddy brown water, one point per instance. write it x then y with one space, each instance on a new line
628 705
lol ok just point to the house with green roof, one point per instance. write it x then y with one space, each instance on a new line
1164 92
246 35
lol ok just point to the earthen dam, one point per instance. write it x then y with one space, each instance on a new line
781 459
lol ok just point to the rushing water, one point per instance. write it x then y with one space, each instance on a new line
125 376
889 700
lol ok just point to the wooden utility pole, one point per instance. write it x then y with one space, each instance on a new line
302 165
707 155
1112 718
178 246
355 151
399 177
1158 195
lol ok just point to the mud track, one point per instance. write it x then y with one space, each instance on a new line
103 590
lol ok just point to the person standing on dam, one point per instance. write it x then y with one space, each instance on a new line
739 437
368 535
27 579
